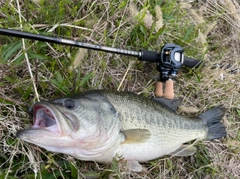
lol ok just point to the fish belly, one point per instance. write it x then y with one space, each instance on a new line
163 141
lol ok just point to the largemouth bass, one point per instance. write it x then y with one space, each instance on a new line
100 125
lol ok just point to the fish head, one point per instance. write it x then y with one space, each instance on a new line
66 124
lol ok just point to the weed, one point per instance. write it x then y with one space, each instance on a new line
208 31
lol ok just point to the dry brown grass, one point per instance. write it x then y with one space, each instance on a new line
217 82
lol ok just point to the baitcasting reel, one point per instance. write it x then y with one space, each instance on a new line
171 60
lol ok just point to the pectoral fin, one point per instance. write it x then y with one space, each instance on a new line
184 150
136 135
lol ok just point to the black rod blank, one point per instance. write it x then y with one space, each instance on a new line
27 35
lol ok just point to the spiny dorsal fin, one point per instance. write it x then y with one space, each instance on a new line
184 150
171 104
136 135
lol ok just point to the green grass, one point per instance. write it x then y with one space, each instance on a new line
59 70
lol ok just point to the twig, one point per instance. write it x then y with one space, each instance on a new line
129 66
11 100
116 35
26 55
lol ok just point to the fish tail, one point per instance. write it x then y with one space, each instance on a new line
212 118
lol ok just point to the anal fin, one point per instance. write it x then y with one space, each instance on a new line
184 150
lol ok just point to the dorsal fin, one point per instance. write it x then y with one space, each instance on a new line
171 104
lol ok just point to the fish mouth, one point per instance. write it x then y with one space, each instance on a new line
44 118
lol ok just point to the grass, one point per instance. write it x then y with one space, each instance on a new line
206 30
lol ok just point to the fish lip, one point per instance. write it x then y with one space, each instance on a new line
44 117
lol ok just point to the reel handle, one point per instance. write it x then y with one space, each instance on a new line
168 92
159 89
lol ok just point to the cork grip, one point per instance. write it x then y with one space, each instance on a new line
168 91
159 89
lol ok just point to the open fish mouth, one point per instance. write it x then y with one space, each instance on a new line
44 118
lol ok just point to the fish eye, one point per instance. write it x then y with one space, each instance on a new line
69 104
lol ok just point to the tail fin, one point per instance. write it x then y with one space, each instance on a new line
213 117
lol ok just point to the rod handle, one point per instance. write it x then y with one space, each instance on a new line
149 56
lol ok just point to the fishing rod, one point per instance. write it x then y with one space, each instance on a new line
168 61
